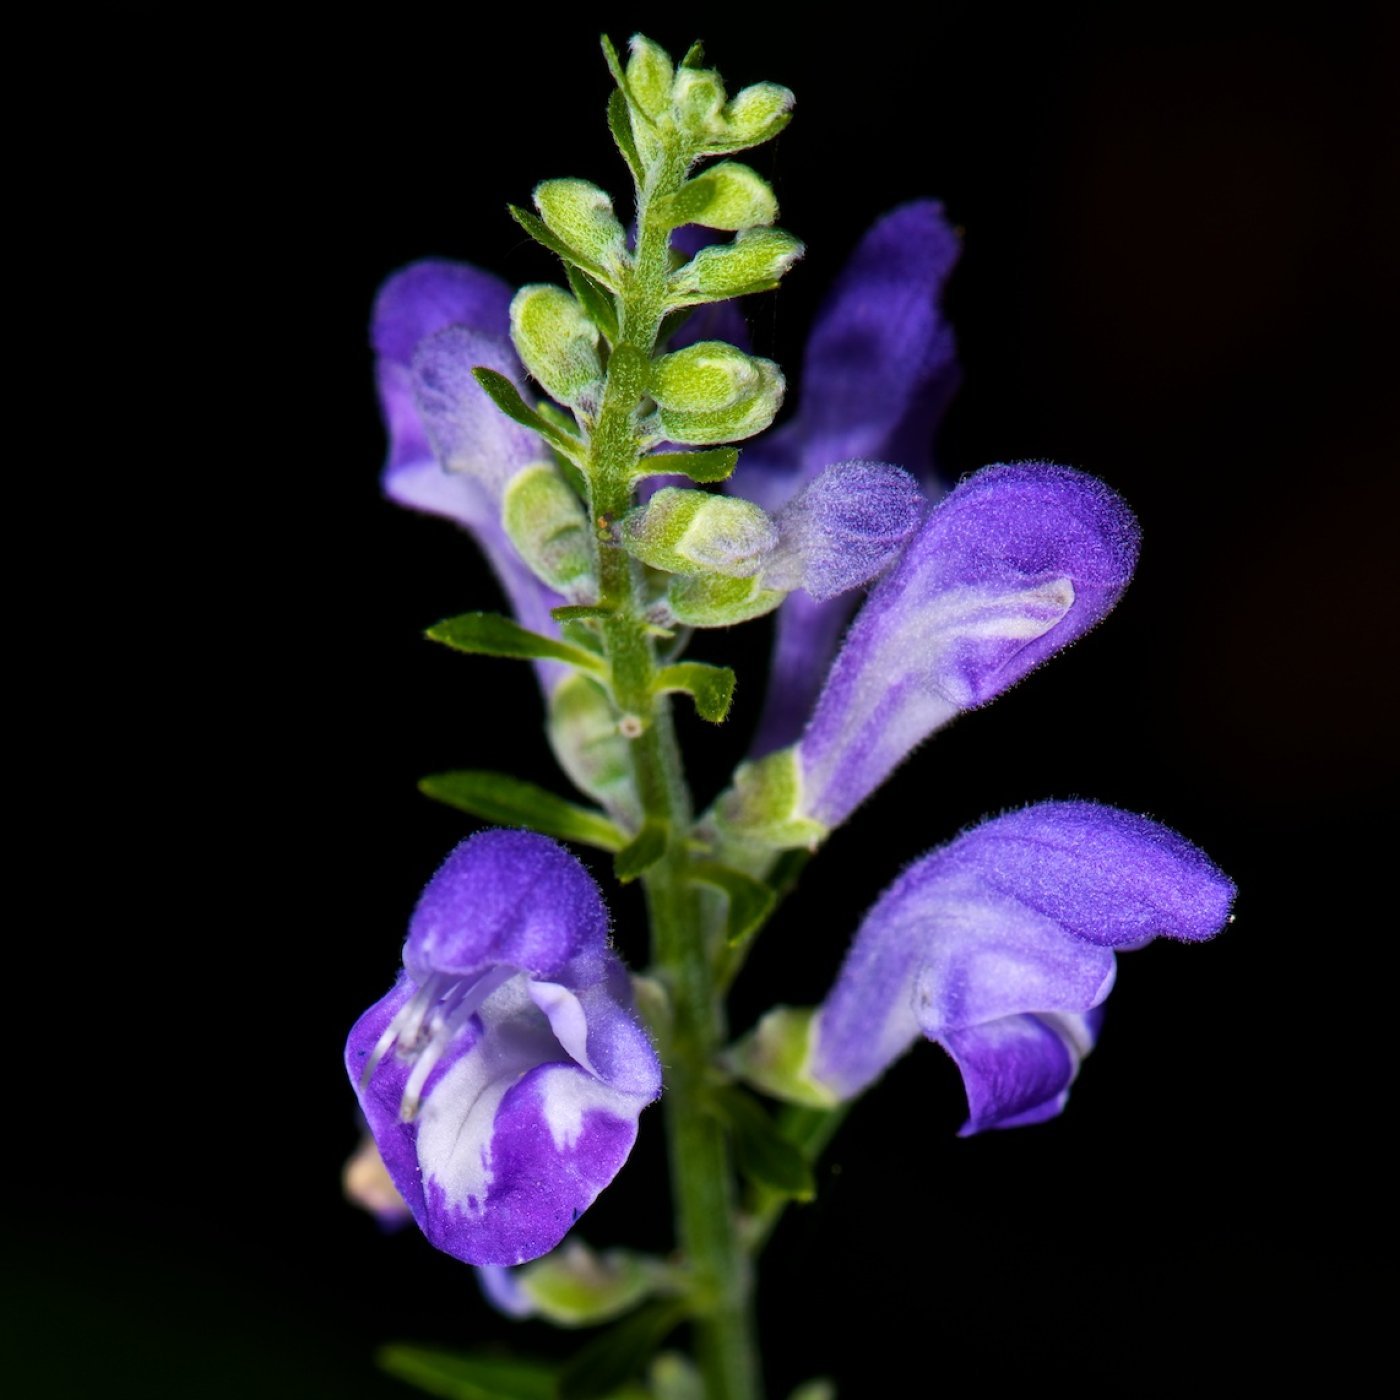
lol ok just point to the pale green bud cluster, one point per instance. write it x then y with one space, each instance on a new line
690 103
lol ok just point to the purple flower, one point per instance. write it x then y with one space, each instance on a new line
1000 947
503 1075
451 450
878 373
1015 564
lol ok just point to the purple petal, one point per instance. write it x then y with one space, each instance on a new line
413 304
1018 917
468 434
844 527
807 635
503 1075
510 898
879 373
428 295
879 368
1016 1071
1015 564
558 1137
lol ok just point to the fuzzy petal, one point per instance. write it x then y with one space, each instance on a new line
879 372
844 527
1017 563
1019 916
503 1075
415 303
508 898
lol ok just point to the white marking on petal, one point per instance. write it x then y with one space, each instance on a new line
566 1096
566 1019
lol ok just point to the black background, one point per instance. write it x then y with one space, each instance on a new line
1178 274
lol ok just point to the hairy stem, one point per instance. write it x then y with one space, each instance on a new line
701 1174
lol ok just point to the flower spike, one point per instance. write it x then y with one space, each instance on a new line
1000 947
503 1074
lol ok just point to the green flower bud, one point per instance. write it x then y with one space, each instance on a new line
650 75
574 1287
581 216
775 1058
697 103
549 529
583 732
557 343
764 803
753 262
713 392
711 600
756 115
686 532
727 196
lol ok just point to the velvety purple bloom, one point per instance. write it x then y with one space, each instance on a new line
878 372
843 528
1015 564
503 1074
451 450
1000 947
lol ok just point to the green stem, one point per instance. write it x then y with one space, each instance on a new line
701 1172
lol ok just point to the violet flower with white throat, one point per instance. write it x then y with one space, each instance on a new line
503 1075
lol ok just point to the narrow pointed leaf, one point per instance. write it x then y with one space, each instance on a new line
595 299
714 465
613 1358
711 687
579 612
764 1155
750 901
645 849
498 797
507 398
490 634
620 124
458 1377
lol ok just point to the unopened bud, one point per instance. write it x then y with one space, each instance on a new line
684 531
557 343
549 529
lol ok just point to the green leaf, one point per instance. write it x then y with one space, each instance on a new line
764 1155
715 465
458 1377
490 634
620 124
498 797
542 234
507 398
750 900
618 1354
694 56
596 300
711 687
645 849
579 612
